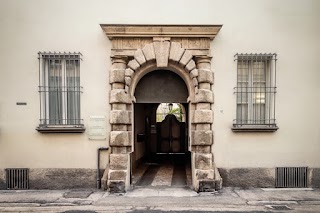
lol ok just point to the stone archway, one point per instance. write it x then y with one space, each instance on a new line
133 57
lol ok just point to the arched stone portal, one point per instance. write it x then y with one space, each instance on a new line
138 50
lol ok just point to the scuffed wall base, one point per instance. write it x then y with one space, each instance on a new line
86 178
315 178
58 178
248 177
2 179
260 177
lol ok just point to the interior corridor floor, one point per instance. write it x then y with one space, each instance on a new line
166 171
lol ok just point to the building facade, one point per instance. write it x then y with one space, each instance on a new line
81 83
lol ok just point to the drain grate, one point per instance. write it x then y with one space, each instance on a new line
17 178
291 177
279 207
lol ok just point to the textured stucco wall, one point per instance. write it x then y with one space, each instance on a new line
248 27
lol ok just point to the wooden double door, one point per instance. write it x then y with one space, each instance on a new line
171 136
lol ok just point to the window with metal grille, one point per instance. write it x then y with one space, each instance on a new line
59 88
255 92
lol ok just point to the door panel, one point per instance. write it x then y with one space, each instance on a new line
170 134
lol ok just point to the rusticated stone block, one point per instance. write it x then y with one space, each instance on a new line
161 50
118 66
117 76
120 138
139 56
201 149
117 175
203 126
203 161
203 106
194 73
186 57
176 51
205 76
118 85
207 185
148 52
119 161
204 96
119 127
202 137
205 174
120 117
129 72
205 86
127 80
116 106
133 64
127 89
117 186
121 149
195 82
190 66
203 116
119 96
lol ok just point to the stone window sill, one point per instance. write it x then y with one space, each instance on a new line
254 128
61 128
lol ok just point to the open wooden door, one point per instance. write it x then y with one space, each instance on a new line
171 136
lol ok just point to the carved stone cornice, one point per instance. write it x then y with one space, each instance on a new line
126 39
180 31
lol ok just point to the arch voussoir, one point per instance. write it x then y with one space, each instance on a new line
186 57
139 56
148 52
176 52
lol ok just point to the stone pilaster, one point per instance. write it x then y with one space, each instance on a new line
121 121
202 134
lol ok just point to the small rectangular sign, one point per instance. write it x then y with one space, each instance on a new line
97 128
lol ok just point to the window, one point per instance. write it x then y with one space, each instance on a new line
59 79
255 92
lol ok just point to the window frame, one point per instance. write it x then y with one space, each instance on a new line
66 117
264 121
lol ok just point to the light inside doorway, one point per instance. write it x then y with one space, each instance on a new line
175 109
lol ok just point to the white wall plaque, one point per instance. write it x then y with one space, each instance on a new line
97 128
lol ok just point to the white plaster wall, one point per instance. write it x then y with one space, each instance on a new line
289 28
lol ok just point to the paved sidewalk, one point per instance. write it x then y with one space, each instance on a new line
156 200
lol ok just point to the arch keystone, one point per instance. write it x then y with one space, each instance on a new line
161 50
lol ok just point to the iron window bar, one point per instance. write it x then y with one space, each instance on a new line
59 89
255 92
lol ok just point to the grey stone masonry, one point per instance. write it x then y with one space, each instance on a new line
161 53
120 138
202 137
